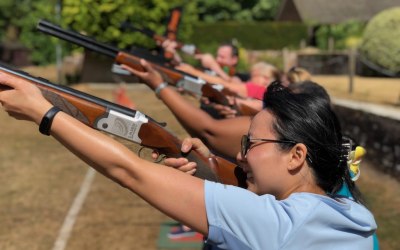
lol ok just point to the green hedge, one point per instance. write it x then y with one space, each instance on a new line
254 36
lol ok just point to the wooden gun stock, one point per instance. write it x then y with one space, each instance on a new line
170 75
229 173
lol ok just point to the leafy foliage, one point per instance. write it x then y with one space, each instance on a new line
240 10
255 35
102 20
19 18
345 35
380 43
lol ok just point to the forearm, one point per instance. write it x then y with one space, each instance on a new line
174 193
253 103
188 114
222 136
206 77
237 88
220 72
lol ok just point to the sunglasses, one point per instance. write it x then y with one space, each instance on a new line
247 141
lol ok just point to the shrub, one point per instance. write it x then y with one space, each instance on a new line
254 35
380 43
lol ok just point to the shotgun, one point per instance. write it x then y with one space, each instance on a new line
189 49
128 124
174 77
172 28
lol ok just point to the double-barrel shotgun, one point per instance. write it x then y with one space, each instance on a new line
192 84
128 124
189 49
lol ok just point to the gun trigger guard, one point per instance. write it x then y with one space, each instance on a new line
160 158
140 151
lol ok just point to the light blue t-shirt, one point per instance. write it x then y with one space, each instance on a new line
240 219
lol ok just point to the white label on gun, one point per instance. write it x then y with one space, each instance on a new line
189 49
192 85
122 125
117 69
218 87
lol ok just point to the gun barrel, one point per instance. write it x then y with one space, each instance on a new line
102 48
76 38
128 26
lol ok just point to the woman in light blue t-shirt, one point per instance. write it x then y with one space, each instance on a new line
293 157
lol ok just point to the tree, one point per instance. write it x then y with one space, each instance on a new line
19 18
346 34
102 19
238 10
380 43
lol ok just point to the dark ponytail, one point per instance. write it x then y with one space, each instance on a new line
307 118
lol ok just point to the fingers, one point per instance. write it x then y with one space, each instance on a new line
195 144
231 99
24 101
155 155
205 100
141 74
198 56
146 65
169 45
175 162
186 145
181 164
9 81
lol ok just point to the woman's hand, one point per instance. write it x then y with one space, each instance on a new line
225 111
151 76
24 101
170 46
207 60
183 164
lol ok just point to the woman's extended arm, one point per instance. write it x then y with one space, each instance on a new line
178 195
222 136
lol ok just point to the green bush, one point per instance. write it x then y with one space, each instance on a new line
254 36
22 16
381 40
102 19
345 35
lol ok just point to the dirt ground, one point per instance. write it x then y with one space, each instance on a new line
40 180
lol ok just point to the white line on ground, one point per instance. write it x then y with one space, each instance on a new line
73 212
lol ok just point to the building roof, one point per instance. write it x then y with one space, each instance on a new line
331 11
